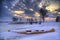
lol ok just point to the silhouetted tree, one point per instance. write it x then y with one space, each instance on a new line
58 19
1 7
43 13
31 21
15 19
20 19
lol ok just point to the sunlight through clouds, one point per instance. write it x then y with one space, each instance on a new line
37 14
31 9
51 7
18 12
27 17
59 13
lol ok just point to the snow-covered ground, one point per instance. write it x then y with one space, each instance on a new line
4 27
48 36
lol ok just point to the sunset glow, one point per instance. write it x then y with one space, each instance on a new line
27 17
52 8
59 13
48 18
37 14
18 12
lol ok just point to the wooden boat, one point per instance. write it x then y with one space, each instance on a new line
36 31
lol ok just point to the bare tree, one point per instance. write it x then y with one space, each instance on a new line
43 13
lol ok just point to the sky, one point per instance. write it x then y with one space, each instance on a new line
27 7
54 4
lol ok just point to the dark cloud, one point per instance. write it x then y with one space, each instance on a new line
28 4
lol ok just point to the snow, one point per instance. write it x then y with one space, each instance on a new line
6 19
6 35
4 27
48 36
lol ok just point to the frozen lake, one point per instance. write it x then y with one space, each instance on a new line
4 27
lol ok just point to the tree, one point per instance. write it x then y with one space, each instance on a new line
58 19
43 13
31 21
15 19
1 7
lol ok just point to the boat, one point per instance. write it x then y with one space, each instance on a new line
36 31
